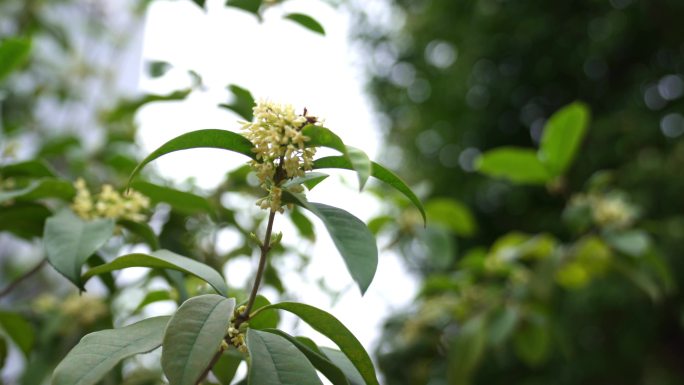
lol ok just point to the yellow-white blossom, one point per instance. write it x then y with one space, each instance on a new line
109 203
279 144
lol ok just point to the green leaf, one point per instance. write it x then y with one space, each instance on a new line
126 109
98 353
243 103
331 327
632 242
164 259
19 330
358 160
502 324
152 297
70 241
181 201
518 165
378 172
306 21
467 350
562 137
310 180
25 220
193 336
352 239
142 230
13 53
37 168
451 214
209 138
532 341
319 361
303 224
276 361
341 361
225 368
264 320
200 3
251 6
39 189
158 68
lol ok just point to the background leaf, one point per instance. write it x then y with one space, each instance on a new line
225 368
378 172
266 319
13 53
276 361
142 230
42 188
306 21
331 327
70 241
562 136
36 168
209 138
97 353
467 350
164 259
251 6
518 165
193 336
243 102
452 215
19 330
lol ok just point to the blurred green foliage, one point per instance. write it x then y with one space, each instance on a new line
576 280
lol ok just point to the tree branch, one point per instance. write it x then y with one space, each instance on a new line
24 276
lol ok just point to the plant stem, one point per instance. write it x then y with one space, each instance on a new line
24 276
265 248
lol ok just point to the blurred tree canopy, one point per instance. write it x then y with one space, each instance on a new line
454 79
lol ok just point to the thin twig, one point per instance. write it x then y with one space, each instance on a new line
24 276
265 248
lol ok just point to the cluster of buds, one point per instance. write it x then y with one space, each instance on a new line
608 210
236 336
279 147
109 203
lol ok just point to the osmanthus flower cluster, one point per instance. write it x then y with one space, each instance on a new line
208 329
109 203
279 147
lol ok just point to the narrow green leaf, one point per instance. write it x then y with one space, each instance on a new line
361 163
341 361
306 21
36 168
181 201
562 136
251 6
331 327
39 189
519 165
310 180
276 361
193 336
323 137
501 325
378 172
142 230
467 350
164 259
532 342
451 214
13 53
303 224
152 297
19 330
127 108
243 103
352 239
98 353
209 138
70 241
319 361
